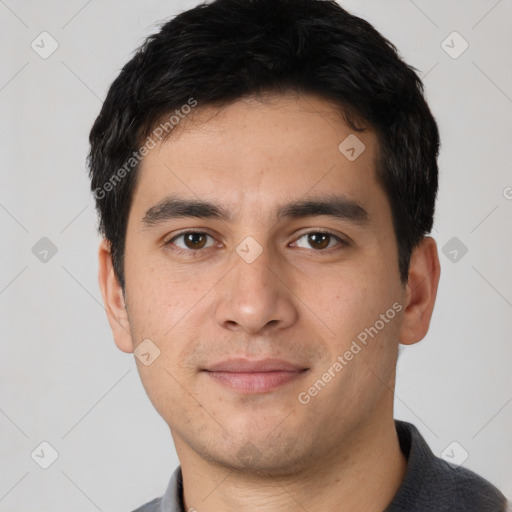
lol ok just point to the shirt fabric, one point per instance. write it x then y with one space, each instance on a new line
430 484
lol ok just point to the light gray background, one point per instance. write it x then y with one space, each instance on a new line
62 378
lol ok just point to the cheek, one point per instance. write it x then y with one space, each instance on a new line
336 300
165 390
158 304
350 305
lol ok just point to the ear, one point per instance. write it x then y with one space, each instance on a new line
421 291
113 299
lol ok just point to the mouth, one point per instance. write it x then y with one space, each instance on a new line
252 377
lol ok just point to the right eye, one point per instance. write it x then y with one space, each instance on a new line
191 241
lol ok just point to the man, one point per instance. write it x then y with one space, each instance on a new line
265 173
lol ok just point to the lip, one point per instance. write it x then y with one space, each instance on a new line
254 376
242 365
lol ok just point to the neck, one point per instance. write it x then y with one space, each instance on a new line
366 477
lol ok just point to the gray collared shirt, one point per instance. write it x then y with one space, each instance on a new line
430 484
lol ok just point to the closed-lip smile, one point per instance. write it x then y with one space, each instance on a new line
254 376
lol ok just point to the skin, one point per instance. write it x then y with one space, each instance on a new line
296 301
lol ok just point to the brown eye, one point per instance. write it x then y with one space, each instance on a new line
195 240
319 240
192 240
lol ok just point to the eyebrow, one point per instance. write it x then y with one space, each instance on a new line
339 207
174 208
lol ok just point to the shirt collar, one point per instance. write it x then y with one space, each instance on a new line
172 500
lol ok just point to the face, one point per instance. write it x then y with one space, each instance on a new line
261 263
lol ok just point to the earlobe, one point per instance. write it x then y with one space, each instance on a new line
421 291
113 299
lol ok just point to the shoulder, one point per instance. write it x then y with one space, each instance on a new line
172 499
152 506
466 490
431 483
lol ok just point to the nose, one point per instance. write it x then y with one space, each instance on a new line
255 297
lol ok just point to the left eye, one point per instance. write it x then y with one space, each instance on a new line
317 240
192 240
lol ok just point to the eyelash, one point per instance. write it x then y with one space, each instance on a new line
340 242
170 243
179 250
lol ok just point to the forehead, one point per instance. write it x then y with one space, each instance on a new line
256 152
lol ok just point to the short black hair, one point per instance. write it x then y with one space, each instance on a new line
219 52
